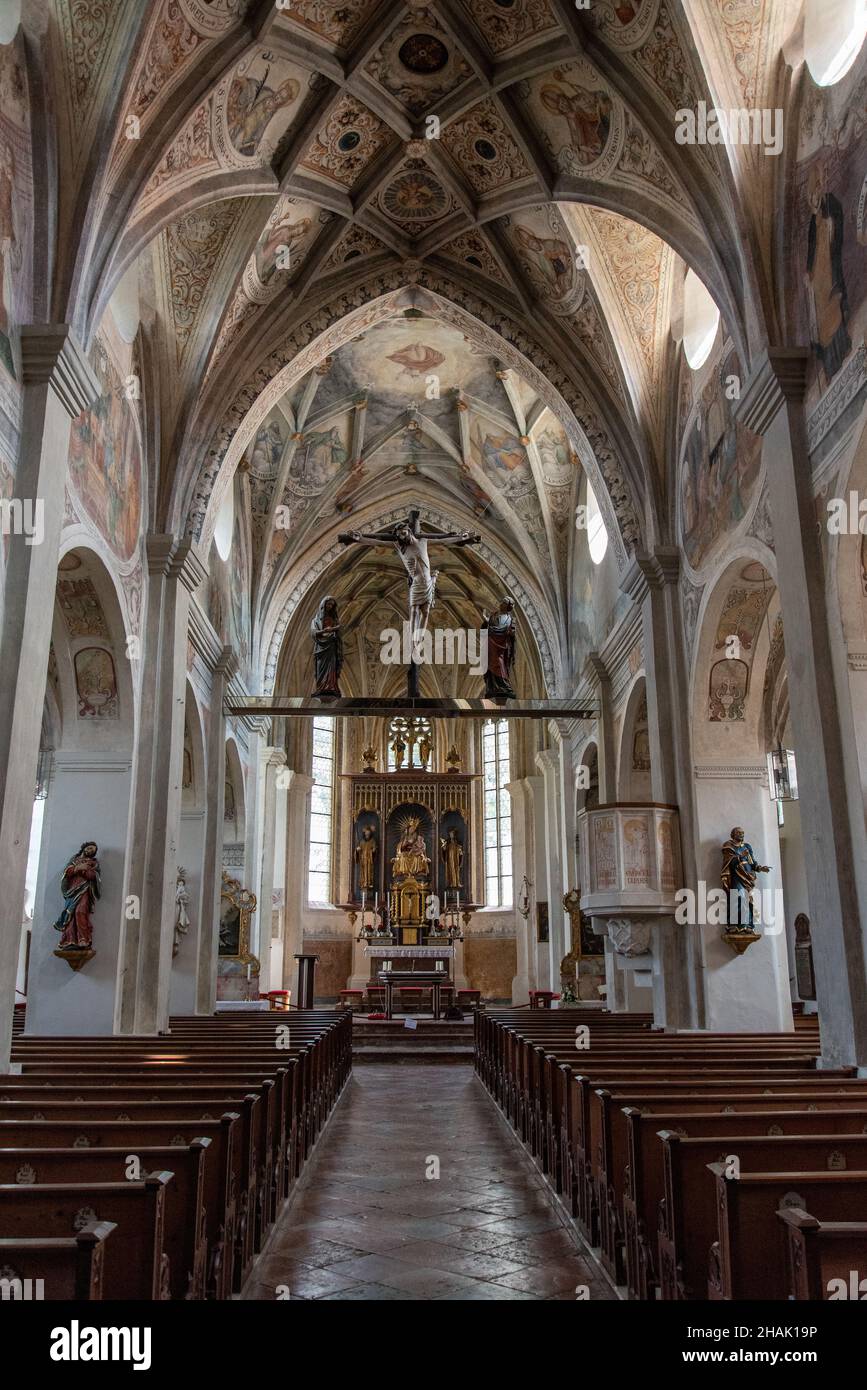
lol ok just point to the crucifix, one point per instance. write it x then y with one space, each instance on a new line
412 547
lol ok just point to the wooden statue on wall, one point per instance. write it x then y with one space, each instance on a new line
365 857
182 916
452 852
740 869
804 972
327 649
81 888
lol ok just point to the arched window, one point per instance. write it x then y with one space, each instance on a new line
834 31
498 813
412 740
225 524
321 812
597 536
700 321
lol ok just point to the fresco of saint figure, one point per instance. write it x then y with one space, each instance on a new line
252 104
550 256
587 114
826 286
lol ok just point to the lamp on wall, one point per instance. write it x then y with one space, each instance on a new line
782 774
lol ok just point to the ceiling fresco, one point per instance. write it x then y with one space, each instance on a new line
276 175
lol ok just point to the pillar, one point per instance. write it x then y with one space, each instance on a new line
522 863
297 816
548 764
599 680
224 669
651 582
57 385
273 796
832 803
174 572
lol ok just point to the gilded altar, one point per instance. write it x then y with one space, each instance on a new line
419 823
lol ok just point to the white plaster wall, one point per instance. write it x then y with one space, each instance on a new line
748 993
88 799
191 849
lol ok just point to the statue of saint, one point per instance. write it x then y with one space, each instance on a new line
182 916
80 886
398 748
411 858
500 627
452 852
424 751
739 870
327 649
365 855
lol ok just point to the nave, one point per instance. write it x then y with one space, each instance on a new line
419 1192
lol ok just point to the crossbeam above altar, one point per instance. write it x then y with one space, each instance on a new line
305 707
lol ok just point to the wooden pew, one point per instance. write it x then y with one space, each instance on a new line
689 1214
645 1169
185 1239
135 1263
748 1258
61 1268
223 1180
607 1162
283 1085
824 1259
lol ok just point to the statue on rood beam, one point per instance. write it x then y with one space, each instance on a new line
739 871
412 547
501 631
327 649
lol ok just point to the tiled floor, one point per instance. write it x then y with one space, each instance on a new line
372 1225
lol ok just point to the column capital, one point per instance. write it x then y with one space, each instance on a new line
176 559
273 756
650 571
780 376
226 664
187 565
595 670
50 352
547 760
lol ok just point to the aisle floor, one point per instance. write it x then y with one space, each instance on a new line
371 1225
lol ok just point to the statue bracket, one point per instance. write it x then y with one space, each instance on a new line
75 959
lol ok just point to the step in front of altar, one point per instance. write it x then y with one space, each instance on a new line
378 1040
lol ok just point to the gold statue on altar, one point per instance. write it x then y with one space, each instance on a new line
411 859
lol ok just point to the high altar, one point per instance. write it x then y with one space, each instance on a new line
410 849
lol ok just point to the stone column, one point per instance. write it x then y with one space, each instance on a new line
212 869
548 763
522 844
273 760
57 385
597 676
651 582
538 953
174 572
832 803
297 816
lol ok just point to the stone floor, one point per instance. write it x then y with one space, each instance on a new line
371 1225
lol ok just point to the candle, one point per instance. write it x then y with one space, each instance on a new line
375 901
249 971
363 902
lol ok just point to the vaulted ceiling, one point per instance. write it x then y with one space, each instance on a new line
328 202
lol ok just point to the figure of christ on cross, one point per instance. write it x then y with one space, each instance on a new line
412 547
